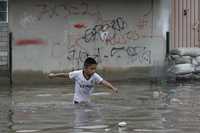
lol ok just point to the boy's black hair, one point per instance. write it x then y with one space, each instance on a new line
89 61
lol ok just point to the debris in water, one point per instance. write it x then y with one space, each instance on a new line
122 124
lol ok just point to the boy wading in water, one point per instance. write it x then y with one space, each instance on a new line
85 80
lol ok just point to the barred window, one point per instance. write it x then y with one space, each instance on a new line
3 11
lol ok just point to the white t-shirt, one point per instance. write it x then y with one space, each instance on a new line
84 87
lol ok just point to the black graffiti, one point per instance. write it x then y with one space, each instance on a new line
142 54
145 57
91 34
79 8
114 51
133 51
137 53
55 9
71 54
81 55
116 25
45 9
97 56
95 33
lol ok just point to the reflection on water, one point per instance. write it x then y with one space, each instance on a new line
5 110
170 108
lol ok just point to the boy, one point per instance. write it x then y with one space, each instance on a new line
84 80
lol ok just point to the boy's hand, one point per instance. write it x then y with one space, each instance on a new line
51 75
110 86
115 90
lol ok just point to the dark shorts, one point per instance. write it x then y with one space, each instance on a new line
75 102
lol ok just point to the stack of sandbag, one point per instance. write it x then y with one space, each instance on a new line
196 62
185 62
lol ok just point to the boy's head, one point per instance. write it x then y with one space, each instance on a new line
90 66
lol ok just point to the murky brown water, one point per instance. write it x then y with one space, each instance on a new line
5 110
172 108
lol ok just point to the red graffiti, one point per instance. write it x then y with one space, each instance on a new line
30 42
79 26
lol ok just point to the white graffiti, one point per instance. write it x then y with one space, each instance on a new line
27 20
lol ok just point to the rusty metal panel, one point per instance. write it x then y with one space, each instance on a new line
188 23
185 23
177 18
196 23
192 22
172 38
199 23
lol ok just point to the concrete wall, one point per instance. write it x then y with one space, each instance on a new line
57 35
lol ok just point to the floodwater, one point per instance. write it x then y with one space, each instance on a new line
146 108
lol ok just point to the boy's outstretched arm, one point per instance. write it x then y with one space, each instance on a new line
109 85
58 75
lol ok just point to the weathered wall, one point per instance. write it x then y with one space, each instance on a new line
59 34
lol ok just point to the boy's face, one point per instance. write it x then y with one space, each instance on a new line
90 70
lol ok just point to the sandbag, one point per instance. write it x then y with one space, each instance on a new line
196 76
174 57
197 69
183 60
197 60
186 51
181 69
194 62
190 75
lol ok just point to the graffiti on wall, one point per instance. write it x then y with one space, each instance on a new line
27 20
112 32
137 54
79 26
105 31
141 54
54 9
25 42
118 39
92 40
